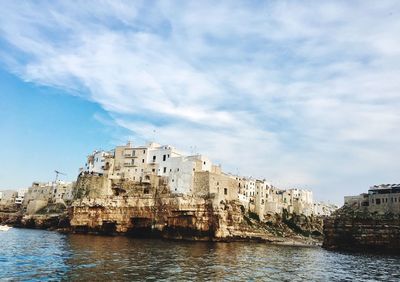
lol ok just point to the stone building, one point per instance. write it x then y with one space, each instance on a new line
381 199
7 197
384 198
219 186
39 195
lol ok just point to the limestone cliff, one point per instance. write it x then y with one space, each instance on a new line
149 209
357 230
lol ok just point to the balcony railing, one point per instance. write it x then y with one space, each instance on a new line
130 156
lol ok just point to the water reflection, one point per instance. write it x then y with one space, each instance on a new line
33 254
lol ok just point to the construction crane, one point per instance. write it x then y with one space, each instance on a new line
57 173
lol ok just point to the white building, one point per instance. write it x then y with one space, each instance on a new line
20 196
96 162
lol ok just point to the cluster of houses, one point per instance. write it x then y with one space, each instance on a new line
193 175
381 199
196 175
38 196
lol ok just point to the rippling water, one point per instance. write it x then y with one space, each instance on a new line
43 255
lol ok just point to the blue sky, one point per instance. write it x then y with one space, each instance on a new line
302 93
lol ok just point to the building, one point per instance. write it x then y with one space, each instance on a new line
384 198
136 166
7 197
20 196
381 199
40 195
96 162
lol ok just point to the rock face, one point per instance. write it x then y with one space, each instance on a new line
176 217
149 209
353 230
188 218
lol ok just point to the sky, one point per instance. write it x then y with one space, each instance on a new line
304 94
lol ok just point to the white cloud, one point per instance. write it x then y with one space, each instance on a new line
300 93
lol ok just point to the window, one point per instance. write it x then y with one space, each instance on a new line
165 169
225 191
154 159
144 151
168 155
204 163
164 158
378 201
170 170
142 161
153 170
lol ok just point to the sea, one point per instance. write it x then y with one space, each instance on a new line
38 255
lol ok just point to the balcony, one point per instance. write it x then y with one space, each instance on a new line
129 165
127 155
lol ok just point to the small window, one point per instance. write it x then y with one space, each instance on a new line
225 191
153 170
154 158
144 151
164 158
142 161
165 170
204 163
378 201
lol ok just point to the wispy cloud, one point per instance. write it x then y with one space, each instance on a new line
302 93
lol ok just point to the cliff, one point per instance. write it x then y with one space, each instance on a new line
352 229
149 209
